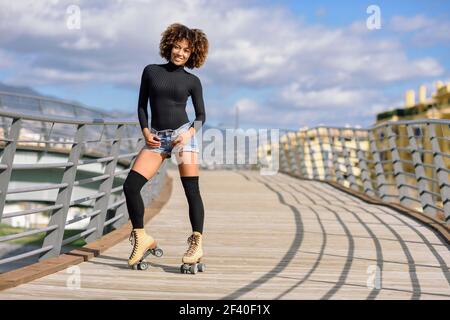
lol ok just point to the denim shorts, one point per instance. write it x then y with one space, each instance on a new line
169 135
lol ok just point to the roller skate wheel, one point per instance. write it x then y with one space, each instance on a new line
143 266
184 268
158 252
201 267
134 267
193 269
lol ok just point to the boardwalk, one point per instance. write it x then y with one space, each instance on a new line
269 237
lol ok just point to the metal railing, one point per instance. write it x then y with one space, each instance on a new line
406 162
112 144
31 104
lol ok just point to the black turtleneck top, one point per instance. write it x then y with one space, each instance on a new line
167 87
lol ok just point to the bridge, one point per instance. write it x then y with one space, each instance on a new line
346 213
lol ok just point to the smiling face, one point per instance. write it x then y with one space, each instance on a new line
181 52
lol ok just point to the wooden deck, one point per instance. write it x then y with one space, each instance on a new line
268 237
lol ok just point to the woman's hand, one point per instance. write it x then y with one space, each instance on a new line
182 139
152 140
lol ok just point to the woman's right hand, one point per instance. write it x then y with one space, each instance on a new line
152 140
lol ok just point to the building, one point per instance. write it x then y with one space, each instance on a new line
435 107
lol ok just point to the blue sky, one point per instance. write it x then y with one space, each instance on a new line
285 64
340 13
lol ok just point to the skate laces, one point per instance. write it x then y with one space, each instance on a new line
134 242
193 242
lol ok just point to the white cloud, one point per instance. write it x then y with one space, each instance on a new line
59 75
82 43
246 105
334 97
250 46
408 24
306 66
427 31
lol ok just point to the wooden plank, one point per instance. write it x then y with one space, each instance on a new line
40 269
268 237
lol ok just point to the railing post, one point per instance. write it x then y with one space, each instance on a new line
284 162
362 163
400 180
44 129
335 161
284 165
379 171
325 162
7 159
102 202
292 161
295 155
4 124
300 150
59 216
282 157
425 198
311 157
348 165
441 173
130 143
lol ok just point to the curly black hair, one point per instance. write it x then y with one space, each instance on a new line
198 43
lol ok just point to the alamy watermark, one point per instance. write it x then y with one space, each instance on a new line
374 278
73 21
373 22
74 279
235 147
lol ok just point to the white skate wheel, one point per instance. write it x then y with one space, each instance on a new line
143 266
158 252
193 268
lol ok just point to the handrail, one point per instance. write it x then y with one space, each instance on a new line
107 203
406 162
60 102
65 120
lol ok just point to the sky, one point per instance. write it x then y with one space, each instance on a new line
282 64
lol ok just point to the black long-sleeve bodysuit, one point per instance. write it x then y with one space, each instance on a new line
167 87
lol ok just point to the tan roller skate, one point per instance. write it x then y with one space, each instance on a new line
143 245
192 257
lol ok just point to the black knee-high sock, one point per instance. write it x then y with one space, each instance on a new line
196 211
132 189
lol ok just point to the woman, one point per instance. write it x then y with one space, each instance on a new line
167 87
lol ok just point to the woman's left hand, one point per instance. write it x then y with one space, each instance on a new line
182 139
